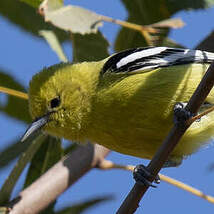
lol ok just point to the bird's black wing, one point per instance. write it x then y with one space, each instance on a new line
154 57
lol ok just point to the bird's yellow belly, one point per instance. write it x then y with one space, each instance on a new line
135 115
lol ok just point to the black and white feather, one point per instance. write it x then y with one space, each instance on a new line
154 57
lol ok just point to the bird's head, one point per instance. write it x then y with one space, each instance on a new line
58 102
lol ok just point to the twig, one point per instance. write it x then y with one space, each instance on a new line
187 188
106 165
144 30
197 117
130 204
13 92
56 180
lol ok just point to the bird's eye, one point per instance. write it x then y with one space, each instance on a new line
55 102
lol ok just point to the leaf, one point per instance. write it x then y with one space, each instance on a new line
48 154
90 47
32 3
71 18
10 182
51 5
14 107
81 207
52 40
171 23
12 152
170 43
28 18
207 44
145 13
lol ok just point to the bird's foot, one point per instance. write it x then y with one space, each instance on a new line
141 176
181 115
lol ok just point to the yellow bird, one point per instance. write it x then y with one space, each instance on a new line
124 102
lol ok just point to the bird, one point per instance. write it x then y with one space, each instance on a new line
124 102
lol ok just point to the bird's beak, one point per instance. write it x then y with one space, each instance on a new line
36 125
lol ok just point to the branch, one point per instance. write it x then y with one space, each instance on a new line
13 92
130 204
56 180
107 164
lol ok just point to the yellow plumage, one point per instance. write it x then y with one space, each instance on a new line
129 112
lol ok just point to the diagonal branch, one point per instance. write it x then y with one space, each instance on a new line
130 204
56 180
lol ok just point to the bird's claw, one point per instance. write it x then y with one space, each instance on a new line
141 176
181 115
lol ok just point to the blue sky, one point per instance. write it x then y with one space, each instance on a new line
22 55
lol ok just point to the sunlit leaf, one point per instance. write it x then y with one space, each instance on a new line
32 3
28 18
145 13
171 23
52 40
71 18
51 5
26 156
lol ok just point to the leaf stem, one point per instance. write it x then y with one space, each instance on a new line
13 92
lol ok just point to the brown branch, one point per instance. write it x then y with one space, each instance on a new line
130 204
56 180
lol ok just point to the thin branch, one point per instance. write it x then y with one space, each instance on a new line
57 179
14 92
187 188
130 204
199 116
146 30
106 165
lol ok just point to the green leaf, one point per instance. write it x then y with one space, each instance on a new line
14 107
170 43
10 182
144 12
51 5
90 47
52 40
35 3
32 3
81 207
48 154
13 151
28 18
71 18
207 44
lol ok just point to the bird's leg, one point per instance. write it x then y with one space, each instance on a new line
181 115
141 173
141 176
